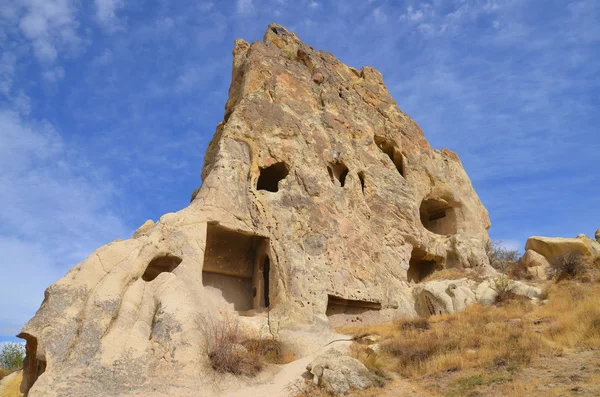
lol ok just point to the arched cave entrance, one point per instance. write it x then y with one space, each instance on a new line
270 176
161 264
420 266
438 216
238 265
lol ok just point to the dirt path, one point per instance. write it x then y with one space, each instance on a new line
281 384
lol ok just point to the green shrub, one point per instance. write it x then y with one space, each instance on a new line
12 355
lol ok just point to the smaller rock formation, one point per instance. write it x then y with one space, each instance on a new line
338 373
450 296
535 264
598 235
550 247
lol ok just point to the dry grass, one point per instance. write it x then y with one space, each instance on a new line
456 274
495 338
231 349
569 266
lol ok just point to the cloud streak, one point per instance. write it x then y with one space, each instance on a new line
54 213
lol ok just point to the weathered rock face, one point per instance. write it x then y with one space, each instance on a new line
321 200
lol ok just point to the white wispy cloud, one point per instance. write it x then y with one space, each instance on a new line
244 6
51 26
55 212
106 13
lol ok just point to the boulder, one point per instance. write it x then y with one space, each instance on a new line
593 245
450 296
487 291
338 373
535 264
320 199
550 247
598 235
444 296
144 228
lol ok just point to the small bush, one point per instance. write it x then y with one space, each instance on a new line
504 288
224 349
231 349
569 266
500 258
12 356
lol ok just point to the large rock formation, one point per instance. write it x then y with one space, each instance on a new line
320 200
551 247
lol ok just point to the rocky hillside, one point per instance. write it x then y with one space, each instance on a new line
322 205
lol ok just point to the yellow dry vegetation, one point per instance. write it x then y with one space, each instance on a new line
490 340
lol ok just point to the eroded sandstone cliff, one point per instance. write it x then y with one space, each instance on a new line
321 200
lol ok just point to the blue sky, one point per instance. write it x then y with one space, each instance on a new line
106 108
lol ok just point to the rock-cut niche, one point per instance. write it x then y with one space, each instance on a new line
420 266
237 264
438 216
387 147
270 176
341 311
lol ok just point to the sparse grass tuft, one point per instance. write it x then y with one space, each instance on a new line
568 266
377 364
231 349
450 274
504 288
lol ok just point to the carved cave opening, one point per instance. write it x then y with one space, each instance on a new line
338 173
439 217
341 311
270 176
238 265
161 264
393 153
420 266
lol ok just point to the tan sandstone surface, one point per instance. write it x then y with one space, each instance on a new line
550 247
320 200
